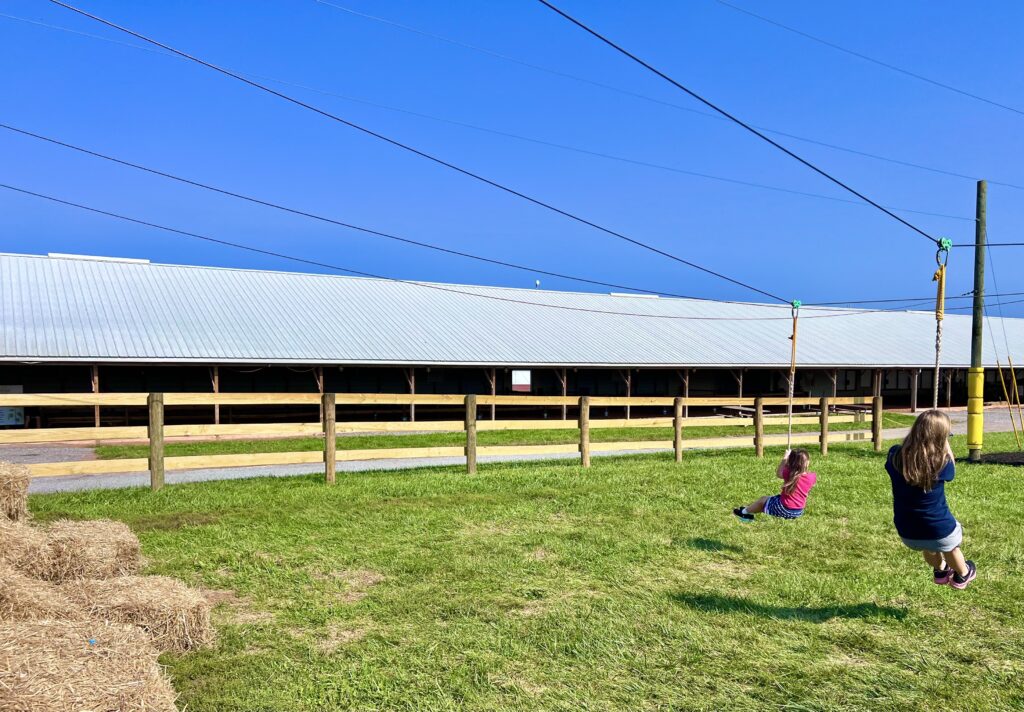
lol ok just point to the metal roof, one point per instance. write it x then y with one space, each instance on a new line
73 309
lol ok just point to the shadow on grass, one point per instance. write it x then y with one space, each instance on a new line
716 603
713 545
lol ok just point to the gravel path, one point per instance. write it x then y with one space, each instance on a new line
996 420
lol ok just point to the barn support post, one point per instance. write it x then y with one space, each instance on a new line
738 377
410 378
492 380
471 434
155 404
96 389
585 431
949 388
834 377
318 374
627 378
876 423
684 376
876 384
915 377
215 382
328 407
563 378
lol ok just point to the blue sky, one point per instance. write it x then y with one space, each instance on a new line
175 116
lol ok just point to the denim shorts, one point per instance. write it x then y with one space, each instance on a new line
946 543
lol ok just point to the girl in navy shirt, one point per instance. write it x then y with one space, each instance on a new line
919 470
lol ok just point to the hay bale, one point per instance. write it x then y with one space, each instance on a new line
24 548
13 491
23 598
176 616
101 667
91 549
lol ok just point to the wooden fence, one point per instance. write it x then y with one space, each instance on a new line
157 432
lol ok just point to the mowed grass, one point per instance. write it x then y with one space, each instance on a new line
543 586
487 437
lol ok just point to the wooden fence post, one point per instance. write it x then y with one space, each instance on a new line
155 401
824 425
471 434
328 404
677 426
759 426
585 431
876 422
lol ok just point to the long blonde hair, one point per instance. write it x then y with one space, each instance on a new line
923 454
797 464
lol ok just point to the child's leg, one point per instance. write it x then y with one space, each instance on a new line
757 506
955 560
935 560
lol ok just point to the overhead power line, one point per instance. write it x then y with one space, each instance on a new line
422 154
514 136
732 118
651 99
452 289
866 58
418 243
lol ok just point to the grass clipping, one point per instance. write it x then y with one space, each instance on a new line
24 549
92 549
176 616
13 491
24 598
100 667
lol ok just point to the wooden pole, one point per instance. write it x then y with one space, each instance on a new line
915 377
976 374
155 401
949 388
328 403
492 379
318 374
824 425
876 385
686 392
215 380
471 434
96 389
876 423
759 426
627 377
565 393
834 377
738 377
410 377
677 426
585 431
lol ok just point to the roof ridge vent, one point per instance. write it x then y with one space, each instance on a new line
96 258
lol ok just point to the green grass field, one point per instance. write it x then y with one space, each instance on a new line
543 586
489 437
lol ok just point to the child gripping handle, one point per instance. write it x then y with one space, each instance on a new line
797 481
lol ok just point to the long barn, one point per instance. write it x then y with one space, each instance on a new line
80 324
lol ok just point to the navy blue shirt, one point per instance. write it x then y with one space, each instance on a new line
918 514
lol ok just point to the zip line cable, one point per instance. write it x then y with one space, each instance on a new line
418 243
426 285
644 97
565 147
732 118
418 152
866 58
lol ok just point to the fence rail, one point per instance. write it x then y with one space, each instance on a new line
157 431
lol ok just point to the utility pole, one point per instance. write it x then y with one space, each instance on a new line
976 374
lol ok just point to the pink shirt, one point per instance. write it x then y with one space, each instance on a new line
797 499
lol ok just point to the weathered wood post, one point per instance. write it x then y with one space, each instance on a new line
155 401
328 404
471 434
876 422
824 425
915 378
677 426
759 426
585 431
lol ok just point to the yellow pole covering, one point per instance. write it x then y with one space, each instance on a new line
975 407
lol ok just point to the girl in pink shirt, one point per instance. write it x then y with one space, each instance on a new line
797 482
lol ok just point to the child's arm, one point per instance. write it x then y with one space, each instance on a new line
780 470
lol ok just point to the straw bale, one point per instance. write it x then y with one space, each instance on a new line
13 491
176 616
95 666
24 598
24 548
91 549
